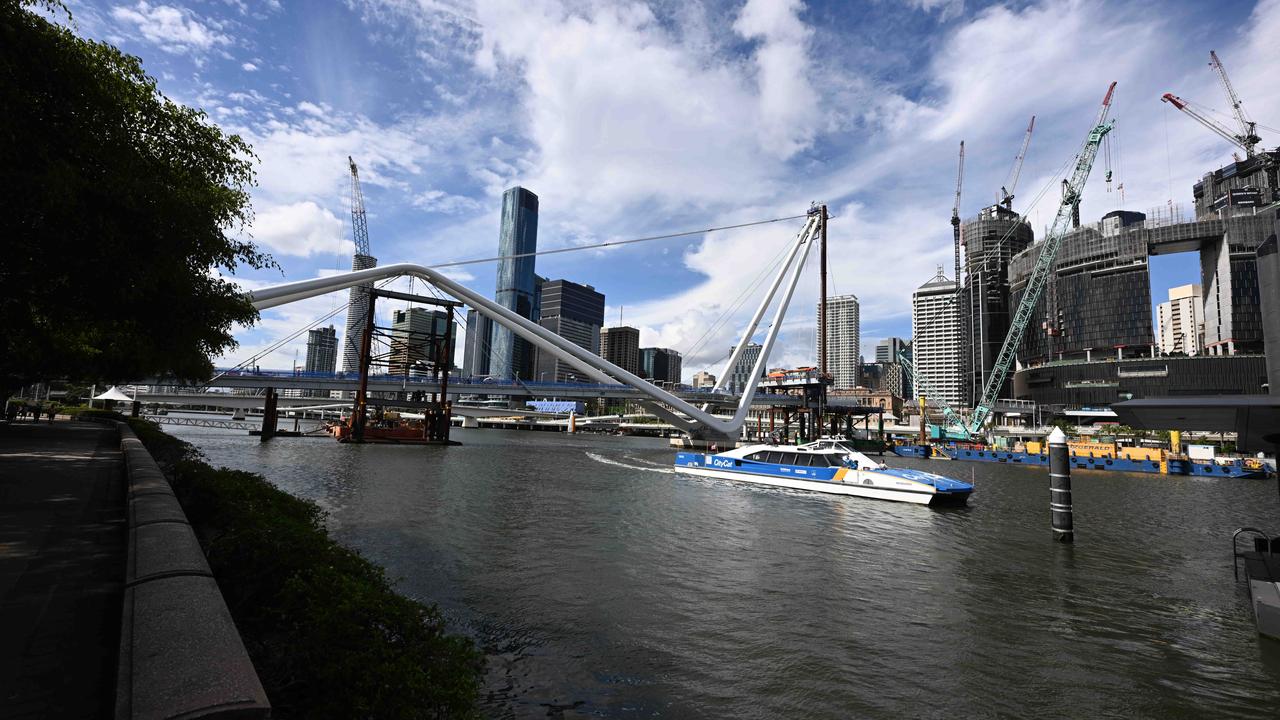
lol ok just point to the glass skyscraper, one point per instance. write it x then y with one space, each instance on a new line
509 355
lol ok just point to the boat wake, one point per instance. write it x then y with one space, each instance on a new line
610 461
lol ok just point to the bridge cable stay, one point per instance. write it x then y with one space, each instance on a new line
766 270
613 243
676 410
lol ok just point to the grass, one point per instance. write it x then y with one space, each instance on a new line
329 635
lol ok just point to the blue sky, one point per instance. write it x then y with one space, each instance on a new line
630 119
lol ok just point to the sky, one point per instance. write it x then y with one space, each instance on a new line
635 119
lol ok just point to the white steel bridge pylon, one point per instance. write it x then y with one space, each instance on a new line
687 417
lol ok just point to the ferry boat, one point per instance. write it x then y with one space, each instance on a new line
825 466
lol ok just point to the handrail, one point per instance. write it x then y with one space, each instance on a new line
1235 553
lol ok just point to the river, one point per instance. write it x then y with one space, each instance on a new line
603 584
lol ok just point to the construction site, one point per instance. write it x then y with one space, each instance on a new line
1065 324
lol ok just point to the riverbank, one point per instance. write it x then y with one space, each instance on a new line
329 635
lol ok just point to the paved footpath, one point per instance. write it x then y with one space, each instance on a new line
62 565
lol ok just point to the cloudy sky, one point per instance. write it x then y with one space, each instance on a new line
632 119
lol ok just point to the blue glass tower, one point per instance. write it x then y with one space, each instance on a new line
510 356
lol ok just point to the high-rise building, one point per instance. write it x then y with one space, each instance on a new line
322 350
574 312
935 345
417 339
621 346
357 315
887 350
510 356
662 365
703 379
844 352
991 240
1181 321
475 349
740 373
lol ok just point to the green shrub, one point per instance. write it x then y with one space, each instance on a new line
84 412
327 632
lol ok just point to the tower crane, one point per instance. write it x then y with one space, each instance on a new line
359 222
1006 191
1248 128
955 215
1072 191
1247 138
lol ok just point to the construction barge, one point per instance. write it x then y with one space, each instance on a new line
1097 456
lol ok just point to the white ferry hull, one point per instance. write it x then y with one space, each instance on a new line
834 488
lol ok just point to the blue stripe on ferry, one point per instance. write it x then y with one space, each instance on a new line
942 484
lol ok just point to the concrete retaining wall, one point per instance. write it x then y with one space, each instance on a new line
180 653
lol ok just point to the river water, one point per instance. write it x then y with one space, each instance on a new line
603 584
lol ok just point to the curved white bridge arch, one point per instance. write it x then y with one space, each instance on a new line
694 420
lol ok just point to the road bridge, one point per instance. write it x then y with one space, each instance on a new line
457 388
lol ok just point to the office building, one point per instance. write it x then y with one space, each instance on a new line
621 346
322 350
574 312
417 341
475 349
844 352
703 379
1180 321
661 365
510 356
991 240
935 345
887 350
740 373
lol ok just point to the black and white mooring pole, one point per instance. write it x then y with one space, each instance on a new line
1060 487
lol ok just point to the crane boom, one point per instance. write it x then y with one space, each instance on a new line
1006 193
1221 130
955 216
1044 263
359 222
1248 129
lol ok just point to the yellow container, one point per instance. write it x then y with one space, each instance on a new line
1142 454
1034 447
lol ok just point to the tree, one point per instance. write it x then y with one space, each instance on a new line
120 208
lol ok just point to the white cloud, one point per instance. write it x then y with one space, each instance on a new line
788 119
623 115
249 67
172 29
302 228
946 9
442 202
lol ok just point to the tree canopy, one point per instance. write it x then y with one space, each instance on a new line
120 209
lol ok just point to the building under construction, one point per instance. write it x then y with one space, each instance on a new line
1097 302
991 240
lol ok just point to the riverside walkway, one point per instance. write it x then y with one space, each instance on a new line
62 568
